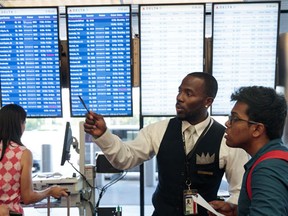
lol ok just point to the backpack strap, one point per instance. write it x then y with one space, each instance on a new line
276 154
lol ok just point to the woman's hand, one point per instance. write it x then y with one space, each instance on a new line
57 191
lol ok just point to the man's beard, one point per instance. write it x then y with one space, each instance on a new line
181 117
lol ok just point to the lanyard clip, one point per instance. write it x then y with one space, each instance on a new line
188 183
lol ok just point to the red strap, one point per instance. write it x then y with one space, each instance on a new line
277 154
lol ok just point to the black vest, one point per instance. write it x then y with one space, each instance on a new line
206 178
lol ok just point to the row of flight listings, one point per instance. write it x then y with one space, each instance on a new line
100 55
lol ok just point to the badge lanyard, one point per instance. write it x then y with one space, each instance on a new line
190 207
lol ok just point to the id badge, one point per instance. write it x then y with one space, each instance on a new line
190 207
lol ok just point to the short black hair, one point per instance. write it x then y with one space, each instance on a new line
211 85
264 106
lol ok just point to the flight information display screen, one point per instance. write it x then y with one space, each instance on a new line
171 46
29 60
244 48
99 50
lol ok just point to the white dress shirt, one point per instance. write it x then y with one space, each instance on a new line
125 155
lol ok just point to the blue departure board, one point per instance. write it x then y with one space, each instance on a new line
99 51
29 60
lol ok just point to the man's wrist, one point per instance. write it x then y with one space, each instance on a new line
95 137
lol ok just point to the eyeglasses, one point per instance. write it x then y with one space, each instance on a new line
233 119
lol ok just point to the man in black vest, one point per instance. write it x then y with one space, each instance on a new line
188 162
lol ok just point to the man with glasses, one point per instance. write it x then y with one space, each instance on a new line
256 125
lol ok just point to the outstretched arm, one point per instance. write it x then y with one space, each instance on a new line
28 194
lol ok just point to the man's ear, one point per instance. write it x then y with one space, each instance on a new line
259 129
209 101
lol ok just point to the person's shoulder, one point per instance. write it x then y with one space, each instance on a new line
272 168
156 126
158 123
274 161
27 152
218 124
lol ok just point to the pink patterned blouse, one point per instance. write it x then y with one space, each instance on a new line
10 173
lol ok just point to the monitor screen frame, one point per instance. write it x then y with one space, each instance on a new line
33 86
233 77
159 87
68 142
110 99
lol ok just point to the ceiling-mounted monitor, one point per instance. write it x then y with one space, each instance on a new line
99 52
29 60
244 51
172 38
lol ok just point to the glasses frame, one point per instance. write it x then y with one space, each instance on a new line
233 119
